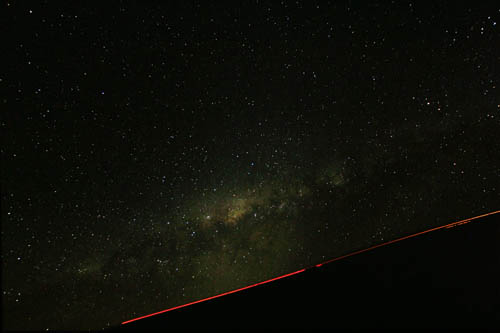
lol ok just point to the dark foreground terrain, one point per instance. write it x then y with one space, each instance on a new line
447 278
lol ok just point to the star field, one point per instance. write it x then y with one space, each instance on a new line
156 154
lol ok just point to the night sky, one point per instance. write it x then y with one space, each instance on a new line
156 154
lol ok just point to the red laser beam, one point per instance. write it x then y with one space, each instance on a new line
446 226
216 296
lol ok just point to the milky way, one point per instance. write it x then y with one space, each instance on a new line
154 155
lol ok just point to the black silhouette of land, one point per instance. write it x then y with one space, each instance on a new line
447 278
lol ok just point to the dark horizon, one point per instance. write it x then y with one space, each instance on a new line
481 218
444 277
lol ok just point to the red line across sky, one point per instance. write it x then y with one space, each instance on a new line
446 226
